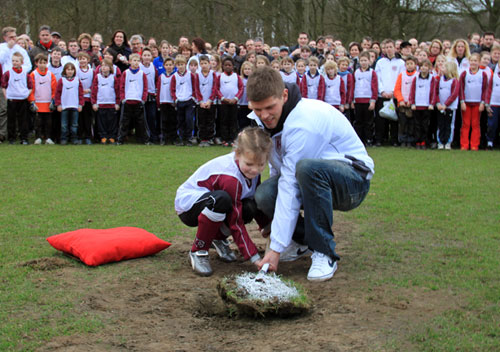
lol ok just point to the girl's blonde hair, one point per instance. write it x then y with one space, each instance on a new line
330 64
254 140
453 50
109 63
451 69
245 65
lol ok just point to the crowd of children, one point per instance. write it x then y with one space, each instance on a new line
186 95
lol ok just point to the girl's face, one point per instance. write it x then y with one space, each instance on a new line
485 60
364 62
251 58
275 54
85 44
444 70
193 67
213 64
343 66
376 48
460 48
105 70
108 56
474 63
340 53
424 69
440 62
330 57
422 56
301 68
435 49
260 63
22 43
247 71
186 53
373 57
155 52
147 57
70 72
410 65
243 51
313 67
119 38
287 66
164 50
275 65
331 72
354 51
251 165
55 56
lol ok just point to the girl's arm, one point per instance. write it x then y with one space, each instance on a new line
303 86
455 91
342 92
321 88
374 87
93 91
411 98
58 92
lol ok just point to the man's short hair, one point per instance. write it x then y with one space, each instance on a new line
258 39
20 56
365 54
136 37
389 41
305 48
6 30
44 28
204 58
180 59
168 59
412 58
263 83
488 33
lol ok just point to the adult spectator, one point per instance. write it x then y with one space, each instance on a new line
320 48
405 50
284 51
8 48
249 45
329 44
366 43
197 49
302 40
119 44
71 56
318 163
259 48
183 40
84 42
435 50
44 45
488 40
414 45
164 53
56 37
474 43
136 44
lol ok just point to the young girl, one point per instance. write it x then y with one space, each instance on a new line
219 197
275 64
447 90
473 89
347 77
334 86
86 75
261 61
150 108
243 110
365 89
229 91
69 101
106 102
300 67
251 57
312 85
215 64
422 102
439 66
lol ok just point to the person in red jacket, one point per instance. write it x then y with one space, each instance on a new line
41 98
218 199
422 100
473 90
406 121
312 85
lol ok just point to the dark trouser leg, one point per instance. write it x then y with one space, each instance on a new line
493 124
243 120
150 110
206 123
85 122
327 185
265 198
380 122
3 117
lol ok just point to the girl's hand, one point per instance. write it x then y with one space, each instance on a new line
414 107
95 107
346 107
352 106
464 107
489 110
59 108
341 108
79 108
481 107
371 107
117 107
431 107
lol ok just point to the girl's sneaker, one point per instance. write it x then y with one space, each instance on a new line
200 263
447 146
49 141
440 146
38 141
224 251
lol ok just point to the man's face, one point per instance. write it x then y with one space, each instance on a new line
73 48
183 41
136 46
231 50
10 38
258 46
320 45
250 45
302 40
366 44
390 50
44 36
475 39
488 40
414 45
269 110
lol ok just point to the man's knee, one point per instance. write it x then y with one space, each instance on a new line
304 170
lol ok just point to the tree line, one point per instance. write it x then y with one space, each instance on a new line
277 21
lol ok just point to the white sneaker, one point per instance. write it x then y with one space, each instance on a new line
440 146
293 252
322 268
38 141
447 146
49 141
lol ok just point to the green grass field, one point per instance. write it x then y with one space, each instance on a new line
431 221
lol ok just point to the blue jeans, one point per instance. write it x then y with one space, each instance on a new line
325 185
69 123
493 125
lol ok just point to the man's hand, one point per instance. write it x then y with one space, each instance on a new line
271 257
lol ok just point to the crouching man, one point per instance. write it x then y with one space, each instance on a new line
318 163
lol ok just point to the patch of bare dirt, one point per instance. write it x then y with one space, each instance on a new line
47 263
176 310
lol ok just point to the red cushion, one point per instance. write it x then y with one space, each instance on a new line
95 247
